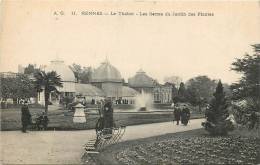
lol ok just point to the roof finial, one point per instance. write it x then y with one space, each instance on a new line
57 59
141 69
107 61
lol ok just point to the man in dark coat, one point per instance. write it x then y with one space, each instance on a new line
108 115
177 113
25 117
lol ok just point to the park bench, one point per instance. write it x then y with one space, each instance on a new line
104 137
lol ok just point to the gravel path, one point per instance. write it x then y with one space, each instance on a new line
66 147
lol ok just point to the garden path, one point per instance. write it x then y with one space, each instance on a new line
66 147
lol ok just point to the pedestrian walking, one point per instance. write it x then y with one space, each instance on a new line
26 116
177 113
185 115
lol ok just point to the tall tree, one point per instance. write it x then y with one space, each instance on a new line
24 87
217 122
174 90
82 74
17 87
30 69
201 87
85 75
76 68
181 96
248 87
47 82
7 87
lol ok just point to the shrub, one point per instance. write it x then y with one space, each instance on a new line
217 122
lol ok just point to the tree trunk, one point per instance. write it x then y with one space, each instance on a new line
46 97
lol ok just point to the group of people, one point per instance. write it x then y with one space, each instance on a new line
181 113
26 118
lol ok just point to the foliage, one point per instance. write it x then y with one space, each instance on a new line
173 80
244 113
17 88
82 74
217 122
30 69
174 89
47 82
182 94
248 87
66 101
200 90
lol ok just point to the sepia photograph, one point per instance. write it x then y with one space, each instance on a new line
129 82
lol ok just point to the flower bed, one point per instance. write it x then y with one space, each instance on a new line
189 147
197 150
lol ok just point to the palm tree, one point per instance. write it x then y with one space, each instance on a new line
47 82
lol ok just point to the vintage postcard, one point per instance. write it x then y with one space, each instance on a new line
129 82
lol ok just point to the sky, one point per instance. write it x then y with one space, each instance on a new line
163 46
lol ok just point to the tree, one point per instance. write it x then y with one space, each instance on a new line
248 87
76 70
47 82
82 75
174 90
200 90
24 87
217 122
85 75
30 69
7 88
181 96
174 80
202 87
17 87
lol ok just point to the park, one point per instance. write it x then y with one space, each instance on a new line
129 83
113 132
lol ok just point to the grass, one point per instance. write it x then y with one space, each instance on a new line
63 120
190 147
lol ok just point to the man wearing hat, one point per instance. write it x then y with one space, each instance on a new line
108 115
26 116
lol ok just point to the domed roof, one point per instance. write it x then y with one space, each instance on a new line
88 90
106 72
141 79
61 69
128 92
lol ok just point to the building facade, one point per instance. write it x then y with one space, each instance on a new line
106 82
144 83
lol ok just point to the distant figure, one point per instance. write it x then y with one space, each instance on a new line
25 117
177 113
185 115
108 116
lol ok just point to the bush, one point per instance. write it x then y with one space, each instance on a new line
217 122
246 114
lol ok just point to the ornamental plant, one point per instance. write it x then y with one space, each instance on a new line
217 122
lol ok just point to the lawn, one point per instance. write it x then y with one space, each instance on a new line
191 147
63 120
